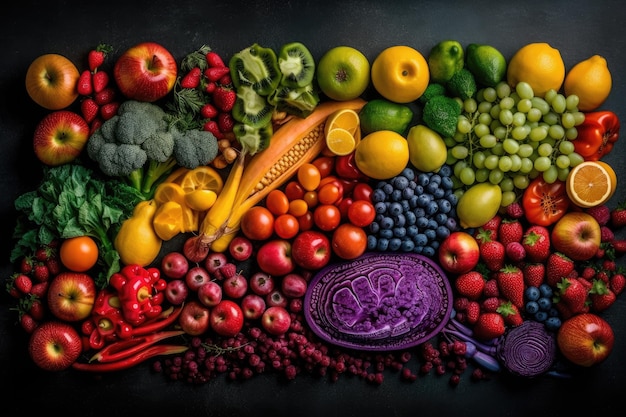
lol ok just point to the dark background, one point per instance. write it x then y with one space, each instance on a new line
579 29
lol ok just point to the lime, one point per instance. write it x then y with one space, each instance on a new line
382 114
427 150
486 63
444 60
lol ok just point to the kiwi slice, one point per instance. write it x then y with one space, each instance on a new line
298 101
256 67
251 108
253 139
296 65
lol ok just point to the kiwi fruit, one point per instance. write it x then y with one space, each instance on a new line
296 65
257 67
251 108
298 101
253 139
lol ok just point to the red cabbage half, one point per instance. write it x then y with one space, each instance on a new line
528 349
379 301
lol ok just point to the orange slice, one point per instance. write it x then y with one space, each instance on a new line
591 183
202 178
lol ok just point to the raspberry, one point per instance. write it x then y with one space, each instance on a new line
228 270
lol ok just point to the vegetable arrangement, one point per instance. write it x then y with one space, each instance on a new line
248 291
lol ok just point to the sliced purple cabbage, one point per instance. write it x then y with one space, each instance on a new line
380 301
527 350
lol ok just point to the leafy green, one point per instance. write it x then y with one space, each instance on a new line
72 201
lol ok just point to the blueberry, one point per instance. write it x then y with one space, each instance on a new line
442 232
419 212
431 187
410 217
436 178
401 219
380 207
544 303
412 231
553 312
446 183
531 307
378 196
439 193
385 233
431 208
423 179
444 205
451 224
409 173
423 200
553 323
382 245
532 293
546 290
434 244
405 205
386 223
399 231
420 239
430 234
401 182
374 227
413 201
372 242
541 316
432 224
395 208
445 171
407 193
395 243
453 199
428 251
418 189
388 188
421 222
407 245
441 218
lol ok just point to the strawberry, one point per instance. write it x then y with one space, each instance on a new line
214 59
618 216
619 246
36 309
617 283
100 81
490 304
84 87
210 88
510 231
105 96
606 234
601 213
492 253
601 296
559 267
470 284
96 57
23 283
602 276
460 303
472 312
573 294
41 272
215 73
192 78
26 265
226 122
89 109
588 272
224 98
609 265
491 288
95 125
109 110
489 326
534 274
226 80
28 323
536 241
489 230
40 289
515 251
53 265
208 111
213 127
510 313
515 210
511 284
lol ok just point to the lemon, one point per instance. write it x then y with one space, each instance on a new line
382 114
347 119
169 191
444 60
200 200
591 183
400 74
591 81
340 141
486 63
202 177
382 154
538 64
479 204
427 149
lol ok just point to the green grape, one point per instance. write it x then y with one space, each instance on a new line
458 190
516 162
562 161
563 173
495 176
463 125
489 94
571 102
450 142
556 131
527 166
542 163
450 160
507 184
525 150
482 174
499 131
520 132
524 90
568 120
534 115
497 149
504 164
508 198
559 104
524 105
470 105
550 95
510 146
521 181
551 118
503 90
575 159
458 167
478 159
488 140
519 118
507 103
505 117
484 107
459 151
495 111
458 137
467 176
491 162
541 105
538 133
545 149
566 147
550 175
516 98
580 117
571 133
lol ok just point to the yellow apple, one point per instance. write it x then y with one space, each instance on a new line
51 81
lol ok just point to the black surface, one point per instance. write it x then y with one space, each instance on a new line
30 28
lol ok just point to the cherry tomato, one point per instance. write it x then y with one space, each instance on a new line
309 176
293 190
286 226
79 253
362 191
349 241
306 221
298 207
311 198
361 213
333 180
277 202
327 217
257 223
344 205
325 164
329 194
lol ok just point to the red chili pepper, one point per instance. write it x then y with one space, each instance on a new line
129 362
126 348
158 324
597 135
545 203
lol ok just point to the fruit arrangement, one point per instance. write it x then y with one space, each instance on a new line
258 214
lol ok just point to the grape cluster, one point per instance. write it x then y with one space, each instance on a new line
415 211
510 136
539 306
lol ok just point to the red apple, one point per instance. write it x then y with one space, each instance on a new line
311 249
51 81
274 257
293 285
226 318
55 345
577 235
240 248
459 253
60 137
71 296
585 339
276 298
176 292
214 261
276 320
145 72
210 293
235 286
196 277
194 318
261 283
253 306
174 265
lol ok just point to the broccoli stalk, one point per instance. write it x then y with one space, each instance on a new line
148 177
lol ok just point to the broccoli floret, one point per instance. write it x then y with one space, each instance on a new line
195 147
433 89
462 84
159 146
120 160
441 114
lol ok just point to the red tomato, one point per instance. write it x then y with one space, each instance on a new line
361 213
349 241
293 190
327 217
329 194
545 203
306 221
277 202
362 191
311 198
79 253
344 206
325 164
298 207
309 176
257 223
286 226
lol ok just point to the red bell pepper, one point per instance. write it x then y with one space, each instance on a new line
597 135
545 203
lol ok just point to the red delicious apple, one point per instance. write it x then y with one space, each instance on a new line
51 81
196 277
261 283
226 318
210 293
71 296
276 320
235 286
459 253
194 318
577 235
214 261
293 285
253 306
585 339
174 265
176 292
145 72
311 249
276 298
60 137
240 248
274 257
55 345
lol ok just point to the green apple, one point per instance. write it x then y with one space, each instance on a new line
343 73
